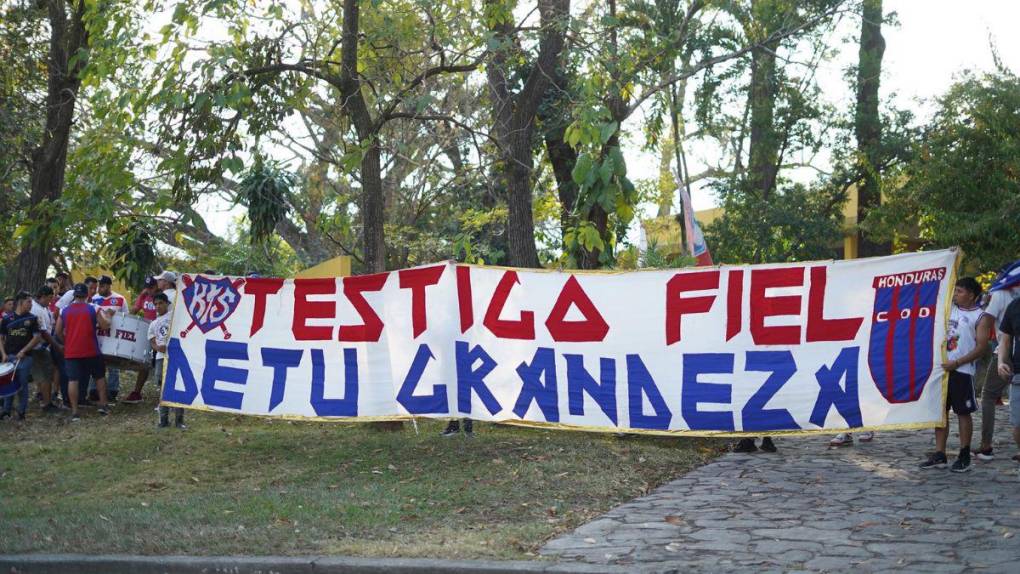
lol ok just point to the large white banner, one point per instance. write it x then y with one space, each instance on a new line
720 350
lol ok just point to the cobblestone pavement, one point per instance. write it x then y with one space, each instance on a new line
866 508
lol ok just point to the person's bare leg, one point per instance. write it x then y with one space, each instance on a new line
966 430
46 390
101 389
142 376
941 436
72 396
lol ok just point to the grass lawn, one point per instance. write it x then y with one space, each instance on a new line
239 485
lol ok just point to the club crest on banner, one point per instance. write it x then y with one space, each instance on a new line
210 302
901 347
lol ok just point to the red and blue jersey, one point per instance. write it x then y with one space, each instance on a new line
114 300
80 341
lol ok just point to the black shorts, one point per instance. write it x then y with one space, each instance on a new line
83 369
961 393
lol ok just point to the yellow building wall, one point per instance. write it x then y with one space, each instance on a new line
336 267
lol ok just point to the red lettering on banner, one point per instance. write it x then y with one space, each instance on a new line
305 309
818 327
260 288
762 306
371 328
734 302
467 310
417 280
524 328
592 328
677 306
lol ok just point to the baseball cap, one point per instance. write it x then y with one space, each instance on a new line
105 280
167 276
81 290
150 281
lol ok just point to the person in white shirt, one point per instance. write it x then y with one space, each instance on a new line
43 367
1004 291
159 336
68 297
166 283
106 298
966 341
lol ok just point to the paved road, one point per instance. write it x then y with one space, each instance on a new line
809 507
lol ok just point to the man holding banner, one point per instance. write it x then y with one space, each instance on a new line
967 341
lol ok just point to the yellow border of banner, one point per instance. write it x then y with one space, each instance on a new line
615 430
566 427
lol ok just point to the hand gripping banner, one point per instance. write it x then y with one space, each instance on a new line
731 350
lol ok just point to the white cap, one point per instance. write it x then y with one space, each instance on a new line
167 276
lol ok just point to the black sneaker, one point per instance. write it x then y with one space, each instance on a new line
936 460
50 409
181 425
162 424
767 445
745 445
103 411
985 454
449 432
962 464
21 416
75 418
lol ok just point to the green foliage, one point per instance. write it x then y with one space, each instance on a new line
794 224
264 190
962 186
132 254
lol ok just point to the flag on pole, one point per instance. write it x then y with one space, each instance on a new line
695 238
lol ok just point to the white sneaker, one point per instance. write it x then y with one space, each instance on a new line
842 439
866 436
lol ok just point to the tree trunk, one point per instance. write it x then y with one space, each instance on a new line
868 122
563 158
372 199
762 163
514 121
373 216
49 160
521 225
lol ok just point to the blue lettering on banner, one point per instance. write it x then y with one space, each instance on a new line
639 385
543 365
216 351
470 379
695 392
280 360
177 363
437 402
345 407
755 417
831 395
579 381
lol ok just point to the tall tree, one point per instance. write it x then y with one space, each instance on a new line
515 111
68 45
868 123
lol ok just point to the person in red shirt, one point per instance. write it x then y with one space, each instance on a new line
146 307
77 327
144 304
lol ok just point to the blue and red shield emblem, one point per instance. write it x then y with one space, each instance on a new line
210 302
901 349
